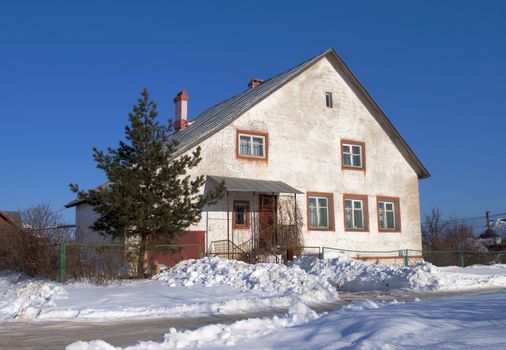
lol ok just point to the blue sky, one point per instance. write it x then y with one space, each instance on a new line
70 72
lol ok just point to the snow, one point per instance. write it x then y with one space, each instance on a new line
24 298
217 334
210 286
43 300
268 278
496 270
464 322
353 275
194 288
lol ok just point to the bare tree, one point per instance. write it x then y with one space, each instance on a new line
446 235
432 229
42 220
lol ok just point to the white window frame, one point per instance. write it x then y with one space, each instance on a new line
383 214
251 149
353 209
318 207
329 102
351 154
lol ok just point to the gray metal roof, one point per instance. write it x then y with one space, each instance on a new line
219 116
235 184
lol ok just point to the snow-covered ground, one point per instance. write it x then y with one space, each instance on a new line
463 322
194 288
354 275
197 288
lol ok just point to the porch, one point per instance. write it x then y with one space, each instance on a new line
258 216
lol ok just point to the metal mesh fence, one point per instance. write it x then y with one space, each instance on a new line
104 262
462 258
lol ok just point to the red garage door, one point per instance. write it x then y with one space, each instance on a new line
196 238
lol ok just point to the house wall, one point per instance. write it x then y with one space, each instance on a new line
304 151
85 217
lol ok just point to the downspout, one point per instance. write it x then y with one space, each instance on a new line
206 238
253 223
228 230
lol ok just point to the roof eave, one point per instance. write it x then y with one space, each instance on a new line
383 121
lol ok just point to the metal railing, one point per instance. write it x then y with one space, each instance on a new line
227 249
371 255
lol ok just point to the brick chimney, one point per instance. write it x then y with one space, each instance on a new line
181 101
254 83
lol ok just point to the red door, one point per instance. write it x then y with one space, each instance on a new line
266 220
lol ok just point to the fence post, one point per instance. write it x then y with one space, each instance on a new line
201 253
322 254
461 258
62 262
406 258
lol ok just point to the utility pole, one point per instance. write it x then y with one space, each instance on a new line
487 215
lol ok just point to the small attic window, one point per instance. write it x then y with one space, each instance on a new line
328 100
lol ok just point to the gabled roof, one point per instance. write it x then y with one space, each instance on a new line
12 217
219 116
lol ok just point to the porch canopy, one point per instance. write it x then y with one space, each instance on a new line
234 184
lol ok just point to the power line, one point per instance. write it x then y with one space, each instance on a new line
476 218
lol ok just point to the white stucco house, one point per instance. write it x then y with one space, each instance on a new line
312 133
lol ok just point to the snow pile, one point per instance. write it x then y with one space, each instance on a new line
216 334
466 322
267 278
23 298
353 275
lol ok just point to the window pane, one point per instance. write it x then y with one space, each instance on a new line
328 99
357 161
381 205
322 202
357 204
346 149
312 201
349 218
258 146
348 203
323 218
382 220
356 149
358 218
240 215
346 159
390 220
245 148
389 206
240 219
313 217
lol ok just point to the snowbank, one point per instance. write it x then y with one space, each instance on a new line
353 275
267 278
24 298
216 334
211 286
463 322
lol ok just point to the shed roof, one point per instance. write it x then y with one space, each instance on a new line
235 184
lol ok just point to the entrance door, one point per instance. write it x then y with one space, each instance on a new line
267 209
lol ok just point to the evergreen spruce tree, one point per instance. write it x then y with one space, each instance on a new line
149 195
